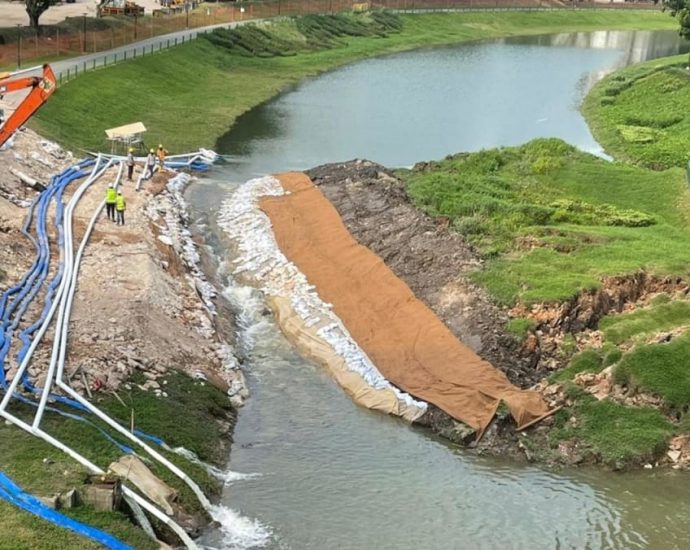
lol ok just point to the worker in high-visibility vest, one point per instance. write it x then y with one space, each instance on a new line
110 200
160 153
120 206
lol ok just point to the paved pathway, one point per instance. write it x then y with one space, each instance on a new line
135 49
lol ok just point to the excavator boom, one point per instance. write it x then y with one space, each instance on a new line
41 87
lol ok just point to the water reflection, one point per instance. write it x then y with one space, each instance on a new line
426 104
337 476
636 47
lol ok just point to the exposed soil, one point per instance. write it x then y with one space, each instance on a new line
434 261
141 304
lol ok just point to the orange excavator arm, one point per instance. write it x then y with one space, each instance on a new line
42 88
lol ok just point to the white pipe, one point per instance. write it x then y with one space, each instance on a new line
64 285
179 531
35 429
61 332
34 344
64 298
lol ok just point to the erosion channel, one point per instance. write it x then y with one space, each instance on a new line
320 472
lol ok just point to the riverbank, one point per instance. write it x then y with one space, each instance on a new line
639 114
184 110
143 346
619 406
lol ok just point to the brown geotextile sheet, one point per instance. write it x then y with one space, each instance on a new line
409 345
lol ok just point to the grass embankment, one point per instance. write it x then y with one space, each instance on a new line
640 114
552 221
43 470
191 95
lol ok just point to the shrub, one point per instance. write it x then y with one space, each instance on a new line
588 360
520 326
638 134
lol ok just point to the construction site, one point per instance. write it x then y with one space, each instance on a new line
242 307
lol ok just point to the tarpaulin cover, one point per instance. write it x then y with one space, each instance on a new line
411 347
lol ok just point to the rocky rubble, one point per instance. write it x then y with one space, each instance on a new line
579 316
26 152
141 289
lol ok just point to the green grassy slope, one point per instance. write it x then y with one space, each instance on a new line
191 95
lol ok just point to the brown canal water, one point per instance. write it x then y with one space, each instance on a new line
318 472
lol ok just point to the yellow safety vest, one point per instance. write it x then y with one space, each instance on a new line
120 203
110 195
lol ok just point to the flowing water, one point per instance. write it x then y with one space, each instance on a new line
328 474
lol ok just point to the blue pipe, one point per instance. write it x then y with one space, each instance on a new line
32 281
12 493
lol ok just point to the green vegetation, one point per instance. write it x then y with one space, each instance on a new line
199 401
588 360
29 532
615 433
645 321
41 469
661 369
310 32
186 111
553 221
640 113
520 326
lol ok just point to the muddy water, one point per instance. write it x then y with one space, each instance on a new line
331 475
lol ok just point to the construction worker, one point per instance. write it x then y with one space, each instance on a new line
110 200
120 206
130 163
150 163
160 153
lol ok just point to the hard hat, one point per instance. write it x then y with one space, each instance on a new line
160 145
151 151
131 149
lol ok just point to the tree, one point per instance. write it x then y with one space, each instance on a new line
35 9
680 9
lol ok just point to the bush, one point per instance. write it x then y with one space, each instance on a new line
638 134
520 326
661 369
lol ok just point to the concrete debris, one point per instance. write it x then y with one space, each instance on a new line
130 469
69 499
104 493
51 501
130 314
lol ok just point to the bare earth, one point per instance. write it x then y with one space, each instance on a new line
137 306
